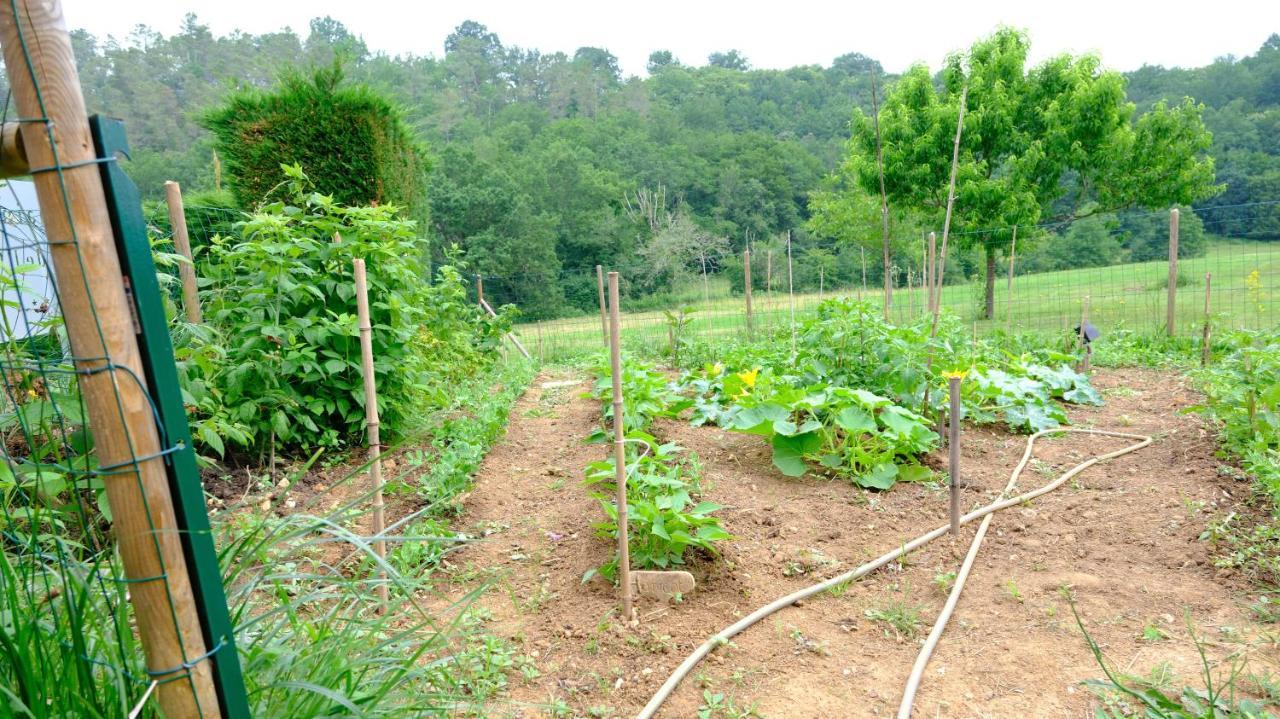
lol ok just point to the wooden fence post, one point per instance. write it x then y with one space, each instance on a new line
933 272
479 289
1204 339
619 451
1008 303
953 447
768 271
100 329
604 308
746 287
371 419
182 242
1171 304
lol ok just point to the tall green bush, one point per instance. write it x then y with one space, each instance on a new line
352 141
282 298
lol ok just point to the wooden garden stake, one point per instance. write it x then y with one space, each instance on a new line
746 286
933 270
604 316
371 419
1204 339
1085 346
99 324
1008 303
791 293
768 271
182 242
480 289
953 447
619 451
863 287
1172 302
510 335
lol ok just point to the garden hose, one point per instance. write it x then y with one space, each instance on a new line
935 634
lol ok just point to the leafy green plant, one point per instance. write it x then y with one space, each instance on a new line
282 303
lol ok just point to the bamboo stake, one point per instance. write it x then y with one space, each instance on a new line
953 447
182 242
509 335
1086 358
619 451
371 421
604 317
1172 301
1008 303
746 287
480 289
935 280
863 287
911 298
1204 339
821 281
100 330
946 232
768 271
791 293
884 203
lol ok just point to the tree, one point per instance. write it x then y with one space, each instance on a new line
659 59
1058 141
681 244
731 60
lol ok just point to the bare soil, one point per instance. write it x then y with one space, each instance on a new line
1122 539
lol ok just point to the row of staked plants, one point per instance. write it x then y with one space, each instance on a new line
666 517
861 397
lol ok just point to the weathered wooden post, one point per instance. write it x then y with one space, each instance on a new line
100 329
1008 303
1204 338
371 418
182 242
604 317
746 287
619 451
953 447
1171 304
933 272
480 289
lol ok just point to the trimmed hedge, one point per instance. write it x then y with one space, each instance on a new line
351 141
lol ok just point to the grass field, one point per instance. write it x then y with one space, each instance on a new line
1245 294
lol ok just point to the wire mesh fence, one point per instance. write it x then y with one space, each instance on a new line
1120 273
106 585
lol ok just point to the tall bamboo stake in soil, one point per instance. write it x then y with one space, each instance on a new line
953 447
791 293
604 307
371 419
619 450
182 243
946 232
884 203
933 271
100 329
746 287
1008 303
1204 338
1171 304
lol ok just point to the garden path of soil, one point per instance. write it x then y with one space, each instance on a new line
1123 539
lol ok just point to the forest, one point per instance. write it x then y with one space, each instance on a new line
538 163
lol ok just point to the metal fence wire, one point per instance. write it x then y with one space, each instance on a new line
1117 270
107 573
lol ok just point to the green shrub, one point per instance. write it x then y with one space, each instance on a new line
352 140
282 298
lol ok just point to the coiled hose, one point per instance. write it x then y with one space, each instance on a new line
926 651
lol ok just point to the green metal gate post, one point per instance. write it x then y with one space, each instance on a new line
125 205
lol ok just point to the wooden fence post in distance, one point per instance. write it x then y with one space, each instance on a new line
1172 301
182 242
371 419
100 330
1204 339
619 451
746 286
604 317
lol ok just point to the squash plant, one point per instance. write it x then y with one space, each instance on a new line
852 433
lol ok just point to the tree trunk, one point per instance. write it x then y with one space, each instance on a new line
990 310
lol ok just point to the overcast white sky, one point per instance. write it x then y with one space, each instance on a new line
773 33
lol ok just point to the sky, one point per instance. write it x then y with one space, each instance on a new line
774 34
